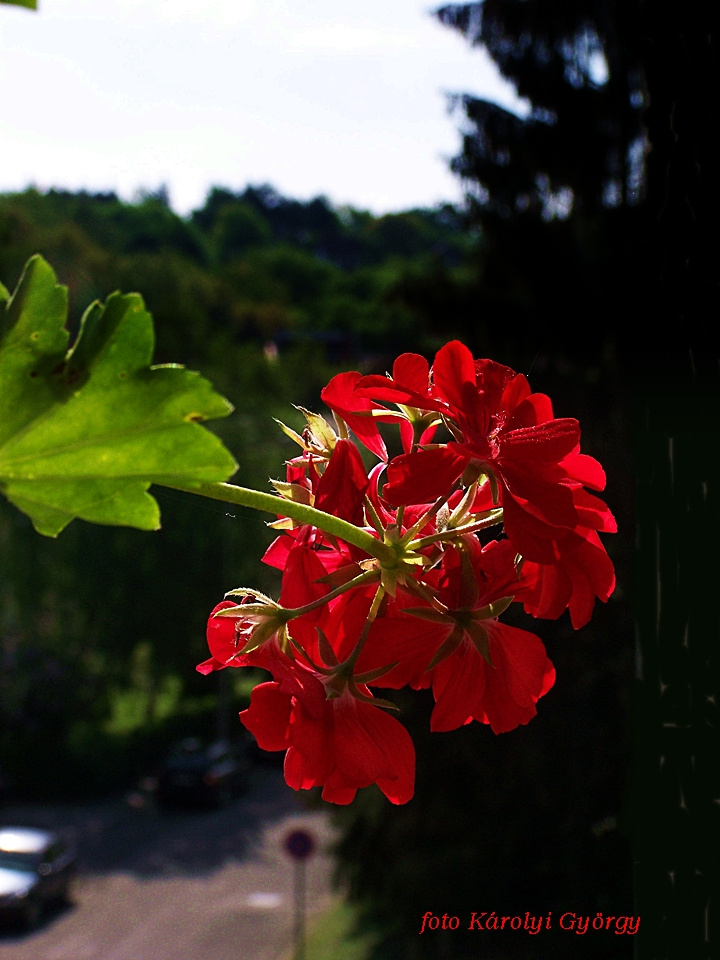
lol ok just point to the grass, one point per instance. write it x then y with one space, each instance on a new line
331 937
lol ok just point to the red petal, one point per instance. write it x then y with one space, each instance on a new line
531 537
340 396
302 569
342 487
522 674
593 575
493 379
338 794
407 435
549 501
277 553
549 591
585 470
268 716
363 743
373 747
593 513
458 684
312 741
533 410
410 384
412 370
516 390
221 635
408 641
453 369
582 572
298 774
209 666
548 442
382 388
423 476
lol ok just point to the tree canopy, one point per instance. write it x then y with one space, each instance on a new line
581 147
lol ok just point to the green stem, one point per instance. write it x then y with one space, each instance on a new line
428 515
364 578
372 515
349 664
454 533
270 503
422 591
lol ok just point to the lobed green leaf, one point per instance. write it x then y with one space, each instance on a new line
85 431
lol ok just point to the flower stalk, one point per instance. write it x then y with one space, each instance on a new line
302 513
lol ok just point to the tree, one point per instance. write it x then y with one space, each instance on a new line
580 150
556 192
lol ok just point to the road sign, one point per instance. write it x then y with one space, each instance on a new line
300 844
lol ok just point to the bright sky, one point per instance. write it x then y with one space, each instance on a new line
312 96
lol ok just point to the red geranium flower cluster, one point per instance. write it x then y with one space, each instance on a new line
418 601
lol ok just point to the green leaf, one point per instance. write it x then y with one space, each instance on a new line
30 4
84 432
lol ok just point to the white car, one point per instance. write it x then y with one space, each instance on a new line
36 868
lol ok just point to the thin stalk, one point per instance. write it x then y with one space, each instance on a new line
372 516
453 534
358 581
421 590
429 514
270 503
372 614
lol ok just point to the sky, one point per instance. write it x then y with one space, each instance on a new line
315 97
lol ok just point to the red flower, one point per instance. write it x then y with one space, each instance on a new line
466 687
341 744
228 636
480 669
576 567
582 572
410 387
510 433
340 397
341 489
500 427
423 610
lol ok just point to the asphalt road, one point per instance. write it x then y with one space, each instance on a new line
180 885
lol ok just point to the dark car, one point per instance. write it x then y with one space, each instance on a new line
36 868
203 773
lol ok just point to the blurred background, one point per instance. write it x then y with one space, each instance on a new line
543 244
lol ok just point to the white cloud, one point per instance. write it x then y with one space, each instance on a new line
122 94
341 38
160 12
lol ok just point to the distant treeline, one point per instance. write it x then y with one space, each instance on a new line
252 265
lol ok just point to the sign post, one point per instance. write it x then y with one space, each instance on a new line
300 845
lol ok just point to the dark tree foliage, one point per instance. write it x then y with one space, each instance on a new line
556 192
581 147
